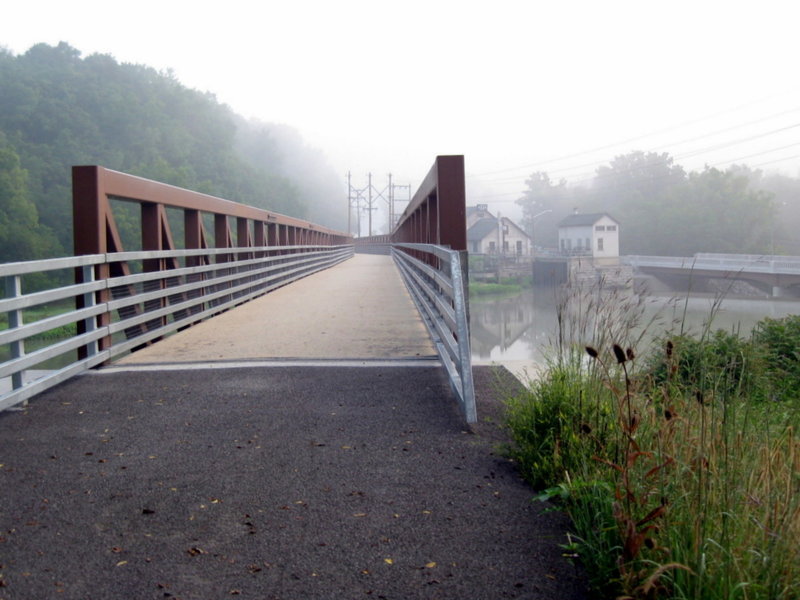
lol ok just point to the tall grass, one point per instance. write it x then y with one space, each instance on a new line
679 469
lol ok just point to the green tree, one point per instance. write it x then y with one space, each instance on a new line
638 188
543 205
21 237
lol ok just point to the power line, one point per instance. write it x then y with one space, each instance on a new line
643 136
685 155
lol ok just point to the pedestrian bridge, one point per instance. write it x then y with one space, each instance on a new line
269 288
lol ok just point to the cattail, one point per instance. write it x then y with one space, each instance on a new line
669 348
591 352
619 353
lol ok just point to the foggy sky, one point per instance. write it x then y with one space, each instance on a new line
515 86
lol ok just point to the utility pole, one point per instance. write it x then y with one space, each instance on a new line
393 196
369 204
370 194
349 204
391 206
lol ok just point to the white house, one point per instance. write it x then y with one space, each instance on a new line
487 234
595 235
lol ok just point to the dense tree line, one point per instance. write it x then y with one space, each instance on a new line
665 210
58 109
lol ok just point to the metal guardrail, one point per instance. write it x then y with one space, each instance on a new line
142 307
438 287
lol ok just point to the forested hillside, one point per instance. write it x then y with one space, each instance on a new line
59 109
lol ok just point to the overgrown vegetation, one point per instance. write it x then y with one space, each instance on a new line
680 469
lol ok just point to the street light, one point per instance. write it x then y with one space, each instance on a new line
533 223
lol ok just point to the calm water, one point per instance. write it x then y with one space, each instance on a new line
520 328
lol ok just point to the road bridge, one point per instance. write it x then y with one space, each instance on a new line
262 412
778 275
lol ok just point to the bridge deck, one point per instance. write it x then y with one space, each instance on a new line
359 309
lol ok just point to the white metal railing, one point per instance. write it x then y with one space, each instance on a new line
745 263
140 305
441 298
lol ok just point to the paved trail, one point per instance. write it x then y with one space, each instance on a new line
268 483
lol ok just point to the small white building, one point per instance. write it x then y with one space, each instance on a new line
487 234
595 235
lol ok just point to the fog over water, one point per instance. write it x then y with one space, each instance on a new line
519 329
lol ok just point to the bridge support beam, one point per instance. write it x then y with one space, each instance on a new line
778 291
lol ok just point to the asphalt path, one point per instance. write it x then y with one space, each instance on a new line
271 483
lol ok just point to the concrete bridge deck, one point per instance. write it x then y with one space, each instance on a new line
359 309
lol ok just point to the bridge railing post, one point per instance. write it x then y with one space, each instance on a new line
13 289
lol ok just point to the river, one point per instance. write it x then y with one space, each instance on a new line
517 330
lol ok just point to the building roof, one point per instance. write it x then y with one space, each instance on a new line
481 228
582 220
479 208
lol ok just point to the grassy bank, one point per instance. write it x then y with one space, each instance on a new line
37 313
680 468
479 288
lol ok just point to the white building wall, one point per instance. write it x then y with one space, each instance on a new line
505 237
573 239
513 241
605 236
602 239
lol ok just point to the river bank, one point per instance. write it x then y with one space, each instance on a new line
516 330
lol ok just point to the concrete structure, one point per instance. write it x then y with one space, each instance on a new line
746 274
487 234
595 235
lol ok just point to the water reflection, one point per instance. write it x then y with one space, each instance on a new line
522 327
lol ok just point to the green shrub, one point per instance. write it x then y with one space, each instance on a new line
558 424
671 495
780 343
720 363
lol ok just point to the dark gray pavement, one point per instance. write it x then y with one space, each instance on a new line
290 483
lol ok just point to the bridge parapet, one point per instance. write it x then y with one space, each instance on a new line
441 297
96 232
731 263
125 311
429 244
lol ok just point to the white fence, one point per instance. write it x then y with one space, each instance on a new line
138 305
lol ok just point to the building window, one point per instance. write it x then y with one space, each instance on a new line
611 228
599 244
599 227
492 248
476 247
519 247
505 246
